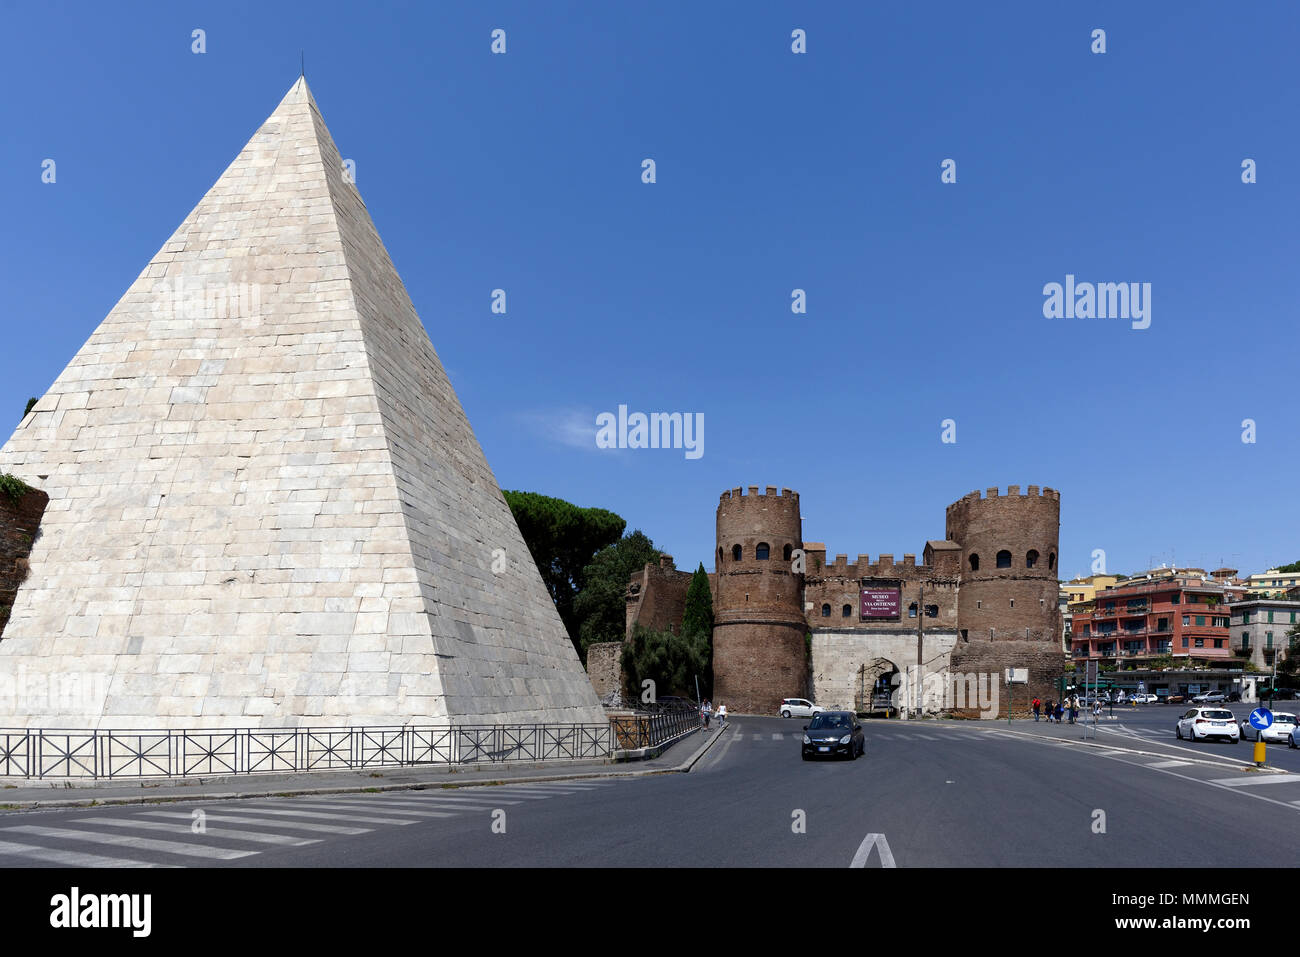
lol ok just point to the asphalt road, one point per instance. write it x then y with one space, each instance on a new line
926 794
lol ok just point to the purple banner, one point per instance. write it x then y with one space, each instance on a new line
880 603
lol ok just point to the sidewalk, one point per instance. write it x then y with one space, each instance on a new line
24 794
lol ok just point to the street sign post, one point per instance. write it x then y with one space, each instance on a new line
1260 719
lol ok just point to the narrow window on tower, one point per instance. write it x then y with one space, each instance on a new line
1013 603
1004 559
846 611
1031 559
761 551
787 553
974 562
911 610
735 552
826 611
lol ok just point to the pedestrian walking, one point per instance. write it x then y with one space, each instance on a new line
1112 706
1096 711
708 713
1049 710
1074 710
1060 712
1037 706
722 716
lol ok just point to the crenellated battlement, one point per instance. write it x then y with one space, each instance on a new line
863 567
736 495
1032 494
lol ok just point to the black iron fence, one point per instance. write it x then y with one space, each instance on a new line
653 728
125 754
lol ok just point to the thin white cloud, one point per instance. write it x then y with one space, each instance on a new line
574 428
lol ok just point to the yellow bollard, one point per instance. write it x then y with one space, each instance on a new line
1259 753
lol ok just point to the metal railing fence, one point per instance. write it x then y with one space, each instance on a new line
111 754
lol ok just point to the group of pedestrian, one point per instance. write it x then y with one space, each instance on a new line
706 713
1057 711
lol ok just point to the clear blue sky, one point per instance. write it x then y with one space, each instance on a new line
775 171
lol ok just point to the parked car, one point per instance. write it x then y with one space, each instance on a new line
1210 697
1279 732
1198 724
1234 695
799 708
1175 699
833 732
1293 738
1144 698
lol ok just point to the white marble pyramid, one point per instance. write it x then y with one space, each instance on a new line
267 507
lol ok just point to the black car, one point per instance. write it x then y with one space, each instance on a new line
833 732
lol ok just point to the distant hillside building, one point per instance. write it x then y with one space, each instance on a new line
1273 583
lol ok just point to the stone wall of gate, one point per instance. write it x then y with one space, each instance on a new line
838 655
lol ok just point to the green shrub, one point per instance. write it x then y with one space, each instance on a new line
14 487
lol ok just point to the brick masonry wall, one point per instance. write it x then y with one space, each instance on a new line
1018 602
755 666
759 652
1045 662
19 523
604 667
656 597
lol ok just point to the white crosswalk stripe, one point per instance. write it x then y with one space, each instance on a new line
1255 781
251 818
126 840
254 837
322 815
437 800
928 737
369 808
778 736
1168 764
52 855
514 792
758 737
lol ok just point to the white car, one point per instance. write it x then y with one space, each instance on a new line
1279 732
1197 724
1143 698
1209 697
799 708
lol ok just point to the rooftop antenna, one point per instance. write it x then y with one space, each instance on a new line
302 65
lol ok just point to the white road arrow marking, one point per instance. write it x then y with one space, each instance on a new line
864 851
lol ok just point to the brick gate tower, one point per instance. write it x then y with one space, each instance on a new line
1007 610
759 652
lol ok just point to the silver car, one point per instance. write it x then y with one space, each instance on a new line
1279 732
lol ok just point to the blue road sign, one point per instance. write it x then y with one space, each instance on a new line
1261 718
